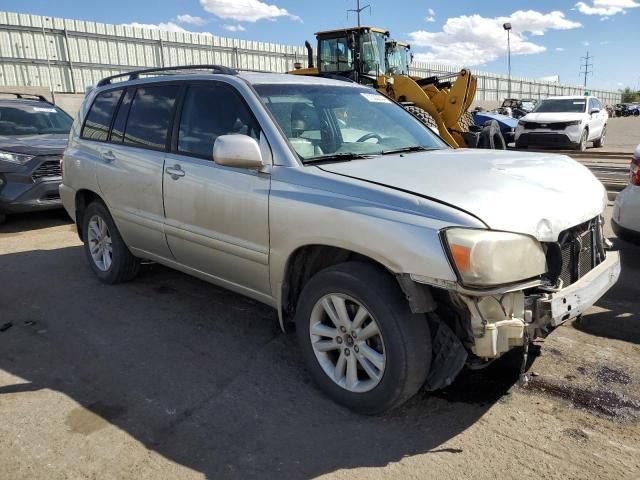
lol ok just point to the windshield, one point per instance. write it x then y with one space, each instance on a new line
372 46
398 60
565 105
28 119
324 121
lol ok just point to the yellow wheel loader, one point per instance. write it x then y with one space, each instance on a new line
368 56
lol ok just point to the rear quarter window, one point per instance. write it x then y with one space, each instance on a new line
98 121
150 116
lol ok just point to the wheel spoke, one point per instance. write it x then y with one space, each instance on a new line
341 309
377 359
324 330
93 247
325 345
330 311
369 368
360 317
106 258
340 367
369 331
352 371
94 230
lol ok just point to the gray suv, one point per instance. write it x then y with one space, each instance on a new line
398 259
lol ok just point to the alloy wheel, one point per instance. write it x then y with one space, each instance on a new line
347 342
100 243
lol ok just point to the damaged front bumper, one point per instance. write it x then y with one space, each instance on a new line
503 321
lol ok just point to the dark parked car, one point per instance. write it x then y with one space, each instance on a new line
33 135
507 124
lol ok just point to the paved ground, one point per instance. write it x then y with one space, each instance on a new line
169 377
623 135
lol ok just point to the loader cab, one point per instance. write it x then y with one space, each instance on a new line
356 53
399 57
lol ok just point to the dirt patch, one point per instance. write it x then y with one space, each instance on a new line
613 375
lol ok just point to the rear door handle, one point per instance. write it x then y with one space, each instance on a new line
175 172
108 156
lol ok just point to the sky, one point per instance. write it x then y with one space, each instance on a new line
548 38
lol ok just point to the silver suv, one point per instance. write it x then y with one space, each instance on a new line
398 259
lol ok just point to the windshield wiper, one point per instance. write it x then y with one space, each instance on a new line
341 157
415 148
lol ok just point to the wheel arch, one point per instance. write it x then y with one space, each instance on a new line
83 199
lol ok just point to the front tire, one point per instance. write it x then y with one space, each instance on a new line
582 144
600 142
108 255
360 341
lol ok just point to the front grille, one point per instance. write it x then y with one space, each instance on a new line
550 126
581 249
50 168
544 139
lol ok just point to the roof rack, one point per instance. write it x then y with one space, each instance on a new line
135 74
19 95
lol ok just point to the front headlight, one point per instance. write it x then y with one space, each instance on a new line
11 157
486 258
574 122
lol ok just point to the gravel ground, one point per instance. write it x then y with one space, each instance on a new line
170 377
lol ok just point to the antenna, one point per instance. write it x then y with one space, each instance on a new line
586 68
359 9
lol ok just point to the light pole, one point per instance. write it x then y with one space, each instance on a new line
507 27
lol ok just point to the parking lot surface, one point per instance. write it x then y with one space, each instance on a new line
170 377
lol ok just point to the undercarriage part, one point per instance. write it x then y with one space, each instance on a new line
449 355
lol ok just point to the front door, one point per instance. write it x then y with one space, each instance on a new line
217 217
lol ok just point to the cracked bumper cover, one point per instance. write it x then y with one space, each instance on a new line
575 299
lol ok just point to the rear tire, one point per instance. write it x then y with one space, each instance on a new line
600 142
108 255
362 298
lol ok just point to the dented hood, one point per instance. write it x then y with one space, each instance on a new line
532 193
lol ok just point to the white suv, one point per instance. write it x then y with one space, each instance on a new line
564 122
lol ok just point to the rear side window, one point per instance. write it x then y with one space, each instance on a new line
209 111
150 116
117 131
96 125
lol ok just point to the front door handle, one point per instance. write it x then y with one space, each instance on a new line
108 156
175 172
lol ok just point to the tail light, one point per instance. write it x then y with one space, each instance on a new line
635 171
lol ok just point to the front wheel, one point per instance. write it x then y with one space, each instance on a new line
600 142
109 257
360 341
582 144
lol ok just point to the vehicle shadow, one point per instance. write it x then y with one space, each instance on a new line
202 376
26 222
621 320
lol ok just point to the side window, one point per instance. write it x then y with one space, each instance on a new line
96 125
150 116
209 111
117 131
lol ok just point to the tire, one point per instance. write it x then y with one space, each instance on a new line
491 137
402 344
118 266
600 142
3 218
582 144
423 116
466 121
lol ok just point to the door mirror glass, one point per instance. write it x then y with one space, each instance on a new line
239 151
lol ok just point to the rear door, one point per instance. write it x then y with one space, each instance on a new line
132 164
216 216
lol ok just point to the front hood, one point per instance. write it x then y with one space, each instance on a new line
532 193
48 144
552 117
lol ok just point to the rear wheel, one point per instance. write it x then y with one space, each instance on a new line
108 256
600 142
360 341
422 115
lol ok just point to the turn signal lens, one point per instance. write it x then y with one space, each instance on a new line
461 257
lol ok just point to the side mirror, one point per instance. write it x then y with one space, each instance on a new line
239 151
594 110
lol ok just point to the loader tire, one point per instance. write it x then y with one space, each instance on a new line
466 121
423 116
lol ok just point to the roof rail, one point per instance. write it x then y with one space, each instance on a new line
20 95
135 74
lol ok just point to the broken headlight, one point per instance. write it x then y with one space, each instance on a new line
487 258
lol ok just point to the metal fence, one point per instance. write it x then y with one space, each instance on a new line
67 55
